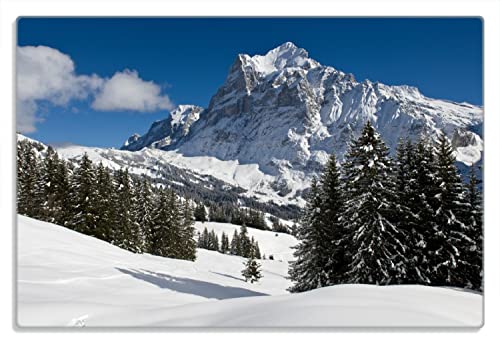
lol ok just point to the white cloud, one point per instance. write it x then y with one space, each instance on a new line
127 91
26 116
46 74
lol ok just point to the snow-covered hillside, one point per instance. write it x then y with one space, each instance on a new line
68 279
154 162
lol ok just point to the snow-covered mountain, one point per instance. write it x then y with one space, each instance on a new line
65 278
166 132
286 112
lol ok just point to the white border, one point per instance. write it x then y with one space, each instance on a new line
488 9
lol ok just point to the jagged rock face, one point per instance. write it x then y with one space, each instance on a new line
285 111
166 132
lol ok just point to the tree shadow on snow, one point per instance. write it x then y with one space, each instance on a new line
226 275
189 286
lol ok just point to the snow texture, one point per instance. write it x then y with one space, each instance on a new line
65 278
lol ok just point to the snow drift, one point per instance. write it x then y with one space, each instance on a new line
65 278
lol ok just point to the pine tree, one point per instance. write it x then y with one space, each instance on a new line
203 239
331 249
30 184
106 207
125 229
188 247
62 197
252 270
159 237
143 209
200 213
235 244
213 241
48 169
176 236
378 247
449 240
307 271
474 221
422 198
409 205
245 244
83 198
255 248
224 247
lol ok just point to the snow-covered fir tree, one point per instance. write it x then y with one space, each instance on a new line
235 244
126 233
252 270
188 248
224 245
449 240
307 270
106 206
29 181
83 198
474 221
409 192
332 248
200 213
162 226
245 243
378 246
143 210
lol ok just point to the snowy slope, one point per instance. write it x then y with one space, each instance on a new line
68 279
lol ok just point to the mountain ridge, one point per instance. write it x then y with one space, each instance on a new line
285 110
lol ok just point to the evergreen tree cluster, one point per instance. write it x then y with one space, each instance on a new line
381 220
238 216
240 245
112 206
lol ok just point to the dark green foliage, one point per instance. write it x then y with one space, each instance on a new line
224 246
277 226
252 270
333 253
449 238
245 243
411 220
473 219
238 216
200 214
209 240
235 244
83 193
143 210
126 229
378 247
106 210
307 270
29 180
187 249
115 207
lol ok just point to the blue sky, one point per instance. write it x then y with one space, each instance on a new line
188 59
